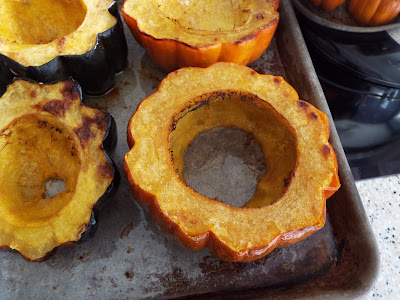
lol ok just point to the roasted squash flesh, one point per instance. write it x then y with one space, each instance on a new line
249 113
301 168
36 150
201 23
207 15
47 134
34 32
200 33
39 21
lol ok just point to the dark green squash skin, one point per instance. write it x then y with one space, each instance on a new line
109 143
95 70
6 76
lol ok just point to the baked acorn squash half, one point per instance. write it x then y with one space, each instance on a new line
199 33
49 41
47 135
374 12
289 202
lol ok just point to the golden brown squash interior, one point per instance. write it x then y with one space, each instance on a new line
251 114
39 21
207 15
35 150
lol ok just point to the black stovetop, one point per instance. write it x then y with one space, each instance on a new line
360 76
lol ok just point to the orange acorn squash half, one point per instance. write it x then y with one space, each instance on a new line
199 33
47 136
289 202
374 12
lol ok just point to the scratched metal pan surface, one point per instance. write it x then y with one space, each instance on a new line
130 258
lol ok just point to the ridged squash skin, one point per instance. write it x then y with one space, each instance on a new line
374 12
367 12
47 133
289 202
199 33
48 41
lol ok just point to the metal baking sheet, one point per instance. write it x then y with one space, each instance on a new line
129 258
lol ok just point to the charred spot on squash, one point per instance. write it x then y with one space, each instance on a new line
86 130
70 90
313 116
55 107
106 170
32 94
326 150
302 104
260 16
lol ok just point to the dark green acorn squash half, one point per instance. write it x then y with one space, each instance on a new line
49 41
47 135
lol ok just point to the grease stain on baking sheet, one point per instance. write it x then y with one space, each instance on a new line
270 62
84 256
125 232
104 101
129 274
112 95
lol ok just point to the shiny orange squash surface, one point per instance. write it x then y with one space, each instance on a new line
374 12
199 33
367 12
289 202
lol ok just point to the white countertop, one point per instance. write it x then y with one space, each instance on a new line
381 199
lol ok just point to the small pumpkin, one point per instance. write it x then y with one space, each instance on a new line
328 5
374 12
48 41
289 202
47 134
199 33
